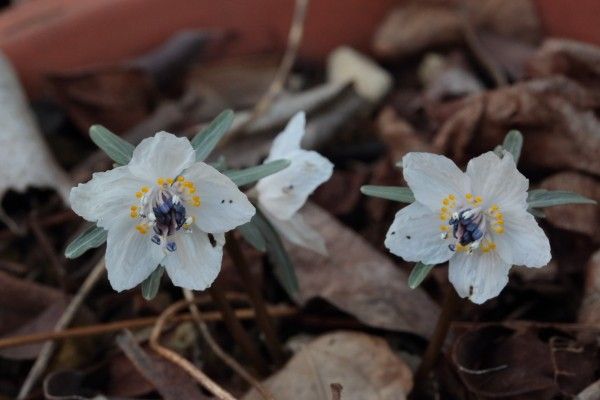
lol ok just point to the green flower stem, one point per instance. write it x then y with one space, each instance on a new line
450 308
263 319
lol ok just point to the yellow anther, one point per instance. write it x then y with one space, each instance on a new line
196 201
192 190
452 197
444 228
443 217
133 214
142 228
170 181
478 199
180 179
494 207
500 222
444 209
188 184
144 189
133 208
445 202
499 229
468 196
139 195
160 181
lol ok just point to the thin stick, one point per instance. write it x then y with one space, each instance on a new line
55 262
280 311
432 353
218 350
44 357
262 316
183 363
235 327
287 62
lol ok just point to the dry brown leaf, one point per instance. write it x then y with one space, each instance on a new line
589 313
399 135
359 280
25 159
364 365
421 25
581 218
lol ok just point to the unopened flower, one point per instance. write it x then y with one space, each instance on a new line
478 220
163 208
281 195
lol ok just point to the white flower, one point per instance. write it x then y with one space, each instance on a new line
163 207
478 220
281 195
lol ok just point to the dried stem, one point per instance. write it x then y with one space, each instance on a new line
432 353
280 311
262 316
44 357
50 253
175 358
212 343
235 327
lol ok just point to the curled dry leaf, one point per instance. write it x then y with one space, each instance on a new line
498 362
25 160
360 280
589 312
581 218
363 365
420 25
555 115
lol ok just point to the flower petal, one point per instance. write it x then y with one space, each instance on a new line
498 181
415 236
163 155
130 256
284 193
106 198
289 139
523 241
224 206
298 232
196 262
478 276
433 177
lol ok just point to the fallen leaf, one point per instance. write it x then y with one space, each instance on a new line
498 362
399 135
169 380
25 159
363 365
359 280
589 312
580 218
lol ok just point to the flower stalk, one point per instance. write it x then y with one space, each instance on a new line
263 319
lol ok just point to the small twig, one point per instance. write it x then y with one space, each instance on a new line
46 352
336 391
287 62
235 327
262 317
183 363
50 253
280 311
226 358
481 371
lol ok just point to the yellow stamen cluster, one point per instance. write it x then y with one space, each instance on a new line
196 201
189 186
142 228
444 228
488 246
134 212
461 248
498 219
448 204
140 193
474 200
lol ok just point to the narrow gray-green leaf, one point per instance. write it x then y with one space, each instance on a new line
119 150
252 235
549 198
284 269
220 165
395 193
418 274
206 140
91 238
151 284
243 177
513 143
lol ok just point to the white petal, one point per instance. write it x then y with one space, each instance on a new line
415 236
298 232
285 192
130 256
107 197
432 177
478 276
196 262
224 206
498 181
523 241
163 155
289 139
